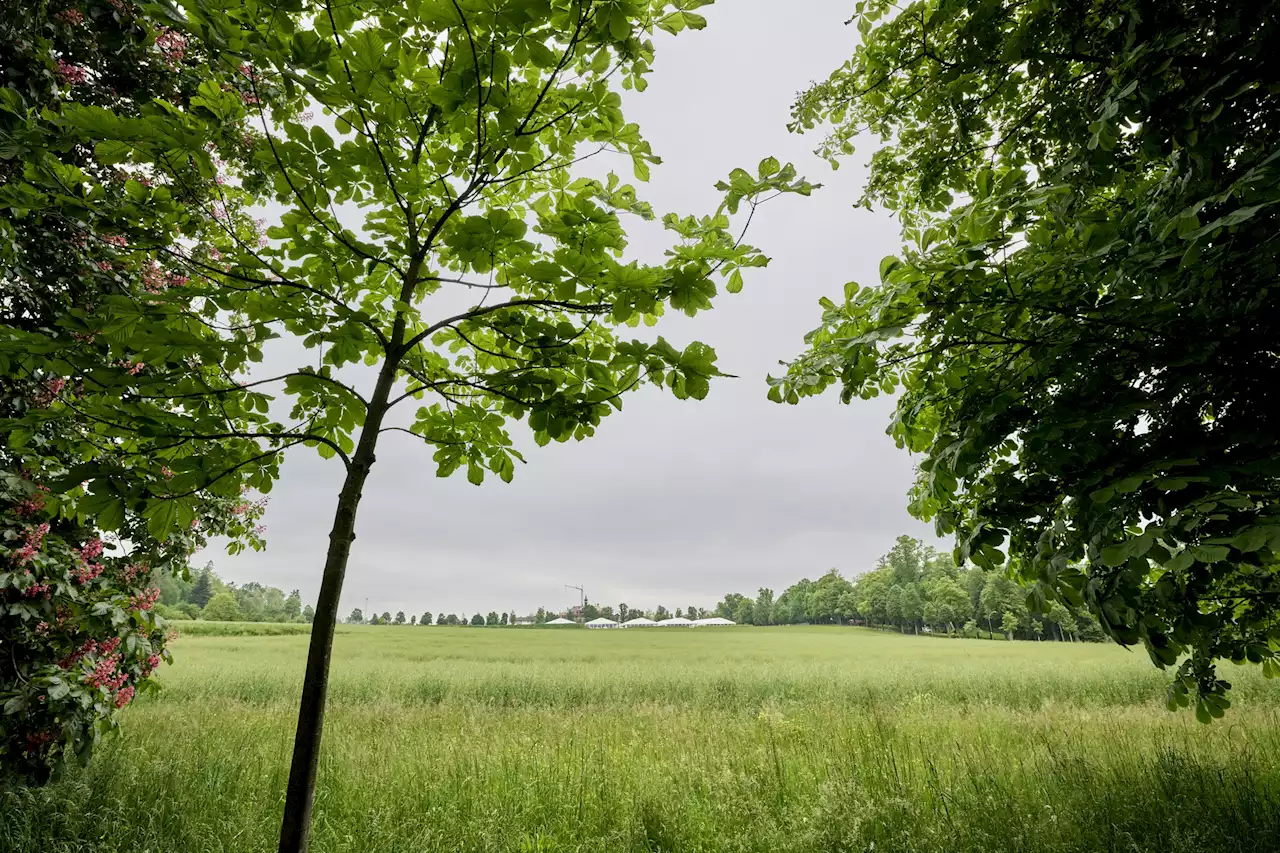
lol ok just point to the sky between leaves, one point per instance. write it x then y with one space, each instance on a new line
672 502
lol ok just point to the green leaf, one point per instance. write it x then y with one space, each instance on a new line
1251 540
735 282
161 516
1210 553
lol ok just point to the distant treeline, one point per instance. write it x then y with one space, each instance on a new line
914 588
207 596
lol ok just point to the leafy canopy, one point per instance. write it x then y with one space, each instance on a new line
1082 324
429 224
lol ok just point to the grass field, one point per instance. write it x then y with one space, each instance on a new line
779 739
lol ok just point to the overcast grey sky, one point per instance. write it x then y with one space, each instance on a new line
672 502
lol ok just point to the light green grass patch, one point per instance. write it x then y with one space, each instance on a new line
784 739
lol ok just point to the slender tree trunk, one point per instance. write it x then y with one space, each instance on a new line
295 827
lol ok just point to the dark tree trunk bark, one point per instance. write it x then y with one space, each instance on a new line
295 826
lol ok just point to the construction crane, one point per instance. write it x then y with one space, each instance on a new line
582 597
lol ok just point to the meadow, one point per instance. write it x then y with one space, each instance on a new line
742 739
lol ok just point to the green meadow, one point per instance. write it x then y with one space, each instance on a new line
741 739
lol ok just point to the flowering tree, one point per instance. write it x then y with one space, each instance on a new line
481 274
76 623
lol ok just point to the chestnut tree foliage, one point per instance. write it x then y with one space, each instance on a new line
78 636
431 246
1082 327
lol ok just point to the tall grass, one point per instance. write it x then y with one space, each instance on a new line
203 628
787 739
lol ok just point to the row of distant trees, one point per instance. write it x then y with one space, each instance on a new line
588 612
207 596
915 588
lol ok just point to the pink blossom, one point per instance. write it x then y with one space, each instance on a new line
145 600
172 45
70 17
176 280
154 279
42 628
87 572
105 672
249 98
133 570
69 73
32 541
49 392
165 472
136 368
32 505
306 115
214 253
123 697
105 266
115 240
91 549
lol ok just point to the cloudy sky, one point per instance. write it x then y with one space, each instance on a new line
672 503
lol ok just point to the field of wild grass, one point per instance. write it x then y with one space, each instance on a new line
743 739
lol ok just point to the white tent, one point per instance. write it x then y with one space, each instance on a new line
713 622
602 623
639 622
676 622
560 621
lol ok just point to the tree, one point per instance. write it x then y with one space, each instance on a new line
662 613
479 110
912 606
506 619
477 620
356 617
202 589
607 611
763 611
948 604
540 616
223 607
453 619
623 610
491 619
385 618
590 611
374 619
906 559
68 220
1008 624
399 617
308 614
293 606
893 605
413 620
1084 316
442 619
426 618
